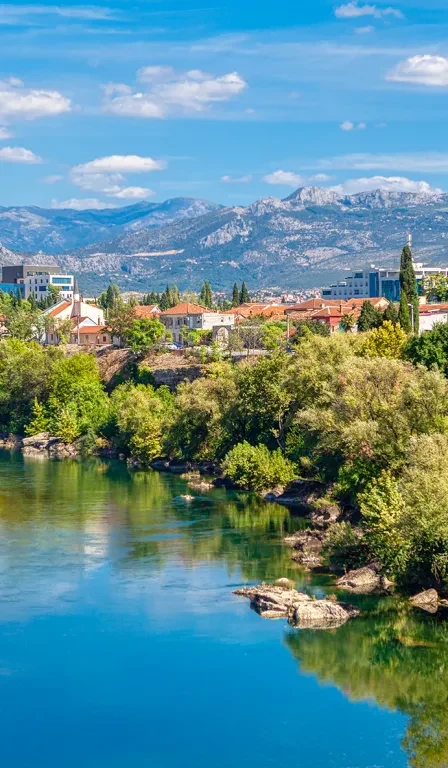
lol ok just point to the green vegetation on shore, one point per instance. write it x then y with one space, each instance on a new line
359 413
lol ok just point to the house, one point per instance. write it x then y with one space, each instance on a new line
80 313
431 315
196 317
86 334
146 310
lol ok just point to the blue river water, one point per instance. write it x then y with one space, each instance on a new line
122 645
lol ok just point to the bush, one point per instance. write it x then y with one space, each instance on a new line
345 546
139 416
256 468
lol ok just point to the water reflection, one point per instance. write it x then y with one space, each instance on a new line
71 533
396 657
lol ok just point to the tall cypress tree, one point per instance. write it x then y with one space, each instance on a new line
244 295
235 295
408 285
404 317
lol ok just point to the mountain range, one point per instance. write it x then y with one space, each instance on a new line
304 240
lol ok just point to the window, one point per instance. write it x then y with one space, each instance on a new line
42 287
61 280
104 339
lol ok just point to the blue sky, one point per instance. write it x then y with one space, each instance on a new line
111 103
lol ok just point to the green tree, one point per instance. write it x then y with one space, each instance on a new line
408 286
435 287
369 317
386 341
256 468
391 313
76 391
235 296
25 371
206 296
140 413
39 419
54 293
244 295
144 333
430 349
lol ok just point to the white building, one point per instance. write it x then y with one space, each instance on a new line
87 321
195 317
37 285
376 281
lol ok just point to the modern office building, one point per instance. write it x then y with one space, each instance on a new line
376 281
34 279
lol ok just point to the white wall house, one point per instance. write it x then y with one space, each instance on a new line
195 317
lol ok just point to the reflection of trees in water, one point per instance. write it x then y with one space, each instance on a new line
142 513
399 659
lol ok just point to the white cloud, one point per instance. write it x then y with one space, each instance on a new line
321 178
285 178
82 205
52 179
422 162
19 155
133 193
5 133
170 92
423 70
10 13
354 11
121 164
387 183
18 102
364 30
347 125
105 175
236 179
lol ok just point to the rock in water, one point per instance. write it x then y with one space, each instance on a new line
427 601
276 602
365 581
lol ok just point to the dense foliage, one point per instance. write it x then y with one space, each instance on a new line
348 410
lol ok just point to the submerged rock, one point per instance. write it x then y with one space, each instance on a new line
301 610
428 601
365 581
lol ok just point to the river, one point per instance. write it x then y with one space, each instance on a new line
122 645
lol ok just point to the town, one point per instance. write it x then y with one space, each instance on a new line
55 313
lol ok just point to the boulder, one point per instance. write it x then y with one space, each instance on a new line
307 546
428 601
325 513
273 601
285 583
365 581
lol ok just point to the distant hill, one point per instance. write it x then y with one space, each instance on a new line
305 240
56 230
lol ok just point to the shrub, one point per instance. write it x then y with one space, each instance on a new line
345 546
256 468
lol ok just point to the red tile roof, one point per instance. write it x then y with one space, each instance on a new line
186 309
147 310
59 308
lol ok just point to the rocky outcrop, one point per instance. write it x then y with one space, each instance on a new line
325 513
45 445
365 581
428 601
300 609
10 442
300 493
307 547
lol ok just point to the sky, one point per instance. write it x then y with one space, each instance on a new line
113 103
